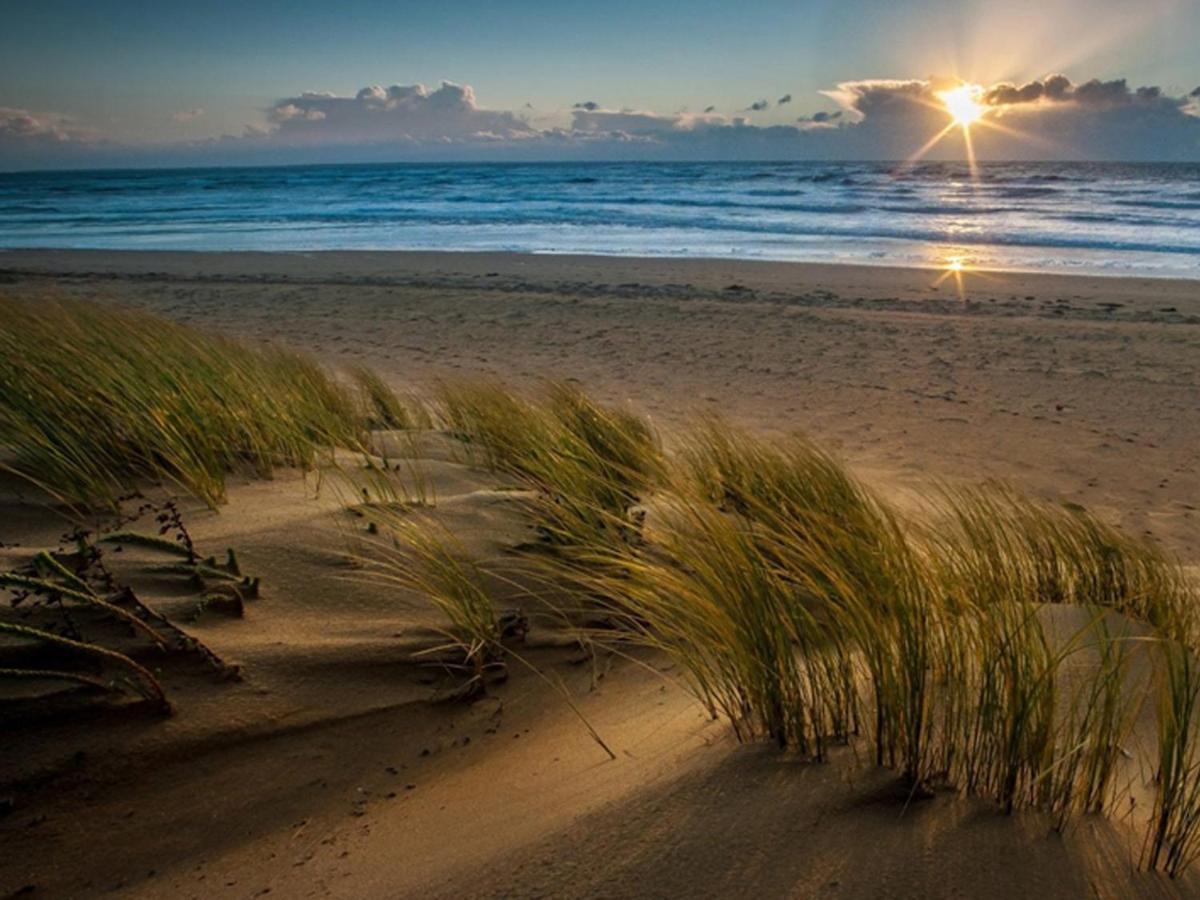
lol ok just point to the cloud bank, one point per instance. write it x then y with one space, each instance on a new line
878 119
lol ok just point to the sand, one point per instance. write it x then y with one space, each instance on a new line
328 771
1083 388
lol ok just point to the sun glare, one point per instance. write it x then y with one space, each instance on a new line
963 104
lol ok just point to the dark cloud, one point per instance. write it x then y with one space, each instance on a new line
820 119
786 98
1060 89
758 106
1057 87
589 105
1101 93
1007 94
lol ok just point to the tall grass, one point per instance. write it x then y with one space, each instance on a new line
804 609
995 544
586 464
96 400
383 408
1173 839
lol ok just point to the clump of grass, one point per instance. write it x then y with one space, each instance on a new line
1003 545
499 428
847 559
412 554
804 609
714 604
95 400
383 408
1173 839
586 464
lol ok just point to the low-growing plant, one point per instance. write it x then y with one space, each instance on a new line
143 681
49 595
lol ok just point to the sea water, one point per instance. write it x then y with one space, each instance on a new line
1135 219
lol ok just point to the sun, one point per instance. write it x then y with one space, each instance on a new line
963 104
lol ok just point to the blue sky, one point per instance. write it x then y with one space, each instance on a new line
159 78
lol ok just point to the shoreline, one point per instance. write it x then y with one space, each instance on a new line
28 254
371 263
1072 387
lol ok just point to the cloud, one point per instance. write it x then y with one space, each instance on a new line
397 114
21 124
188 115
1049 118
786 98
1060 89
876 119
31 139
820 119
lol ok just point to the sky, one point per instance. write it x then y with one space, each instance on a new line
161 83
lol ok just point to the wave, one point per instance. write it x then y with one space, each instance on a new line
1119 211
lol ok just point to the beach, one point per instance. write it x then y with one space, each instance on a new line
328 772
1073 387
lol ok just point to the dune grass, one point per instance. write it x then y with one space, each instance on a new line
585 464
1173 839
804 609
416 556
383 407
95 401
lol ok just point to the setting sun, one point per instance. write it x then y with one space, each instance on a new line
963 105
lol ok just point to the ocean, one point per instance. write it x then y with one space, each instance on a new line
1115 219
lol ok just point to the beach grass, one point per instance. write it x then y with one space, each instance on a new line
800 606
417 556
96 401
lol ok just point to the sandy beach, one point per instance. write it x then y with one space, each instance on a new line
1080 388
328 772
